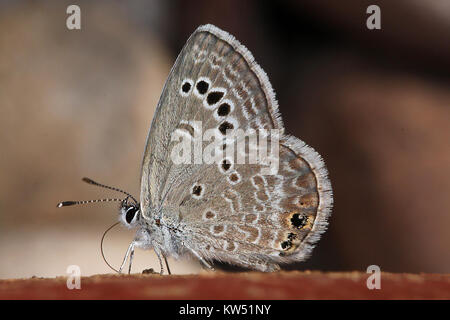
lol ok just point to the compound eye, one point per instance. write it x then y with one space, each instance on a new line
129 216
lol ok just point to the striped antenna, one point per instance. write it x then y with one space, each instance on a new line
72 203
90 181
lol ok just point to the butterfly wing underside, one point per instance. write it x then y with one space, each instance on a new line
231 211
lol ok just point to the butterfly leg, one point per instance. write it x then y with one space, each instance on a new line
203 261
158 254
131 260
129 251
167 265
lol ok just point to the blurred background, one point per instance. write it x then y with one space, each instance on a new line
374 103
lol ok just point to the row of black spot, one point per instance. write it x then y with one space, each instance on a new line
223 110
212 98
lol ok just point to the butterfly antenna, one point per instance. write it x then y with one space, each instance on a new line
72 203
101 246
90 181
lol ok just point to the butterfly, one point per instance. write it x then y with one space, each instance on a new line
226 210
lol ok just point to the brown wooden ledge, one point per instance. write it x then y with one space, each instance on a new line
219 285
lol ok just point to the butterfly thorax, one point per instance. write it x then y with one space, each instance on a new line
160 228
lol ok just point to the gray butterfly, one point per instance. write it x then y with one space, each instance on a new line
227 211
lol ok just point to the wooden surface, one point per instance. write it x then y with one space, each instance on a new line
250 285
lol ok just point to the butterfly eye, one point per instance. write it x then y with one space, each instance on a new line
130 215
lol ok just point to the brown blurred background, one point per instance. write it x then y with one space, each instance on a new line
374 103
